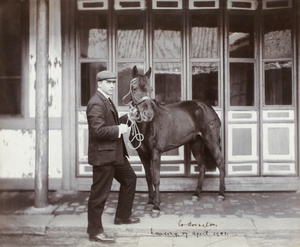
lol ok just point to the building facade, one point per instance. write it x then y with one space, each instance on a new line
240 56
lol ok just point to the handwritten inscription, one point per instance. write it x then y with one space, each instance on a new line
169 234
212 231
187 234
203 225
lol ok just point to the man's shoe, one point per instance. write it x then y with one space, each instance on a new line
130 220
102 237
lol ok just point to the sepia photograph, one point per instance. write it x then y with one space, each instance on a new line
150 123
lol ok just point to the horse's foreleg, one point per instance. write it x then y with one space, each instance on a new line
155 166
221 167
147 166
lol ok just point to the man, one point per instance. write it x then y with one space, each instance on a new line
107 154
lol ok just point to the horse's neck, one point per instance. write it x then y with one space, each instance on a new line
158 108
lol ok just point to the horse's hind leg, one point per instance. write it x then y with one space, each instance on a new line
213 143
197 146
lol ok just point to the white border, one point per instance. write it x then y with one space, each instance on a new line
81 2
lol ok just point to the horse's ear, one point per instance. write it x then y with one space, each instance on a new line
148 73
134 72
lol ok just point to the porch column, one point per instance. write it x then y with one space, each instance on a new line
41 106
298 86
68 96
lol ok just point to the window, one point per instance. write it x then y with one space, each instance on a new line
167 53
89 72
12 32
278 35
241 36
168 82
130 36
241 84
130 49
204 40
241 62
278 83
93 45
93 35
204 52
205 81
277 55
167 36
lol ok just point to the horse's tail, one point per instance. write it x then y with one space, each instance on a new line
210 162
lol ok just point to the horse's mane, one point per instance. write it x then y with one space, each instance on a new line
156 102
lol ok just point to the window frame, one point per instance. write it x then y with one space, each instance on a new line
18 119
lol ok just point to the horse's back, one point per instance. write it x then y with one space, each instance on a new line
204 115
194 106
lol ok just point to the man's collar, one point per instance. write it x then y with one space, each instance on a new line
105 94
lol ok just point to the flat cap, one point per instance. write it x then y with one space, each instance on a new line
106 75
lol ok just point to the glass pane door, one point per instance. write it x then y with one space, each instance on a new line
279 91
92 57
242 115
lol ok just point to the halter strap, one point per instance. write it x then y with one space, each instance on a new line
141 100
130 91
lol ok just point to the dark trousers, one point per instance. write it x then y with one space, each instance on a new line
100 189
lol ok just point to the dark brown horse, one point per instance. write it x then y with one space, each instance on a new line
170 126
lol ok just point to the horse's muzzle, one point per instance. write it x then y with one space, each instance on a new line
146 115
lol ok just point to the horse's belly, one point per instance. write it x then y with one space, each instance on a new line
178 139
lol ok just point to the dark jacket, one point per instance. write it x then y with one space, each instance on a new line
105 147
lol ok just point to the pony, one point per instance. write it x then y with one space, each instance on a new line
165 127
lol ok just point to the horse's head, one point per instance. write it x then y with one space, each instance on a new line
140 89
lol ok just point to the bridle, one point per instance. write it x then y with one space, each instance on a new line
135 102
134 116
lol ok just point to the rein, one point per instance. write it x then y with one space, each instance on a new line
134 117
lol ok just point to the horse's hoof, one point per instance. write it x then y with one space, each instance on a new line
148 207
195 198
155 213
220 198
